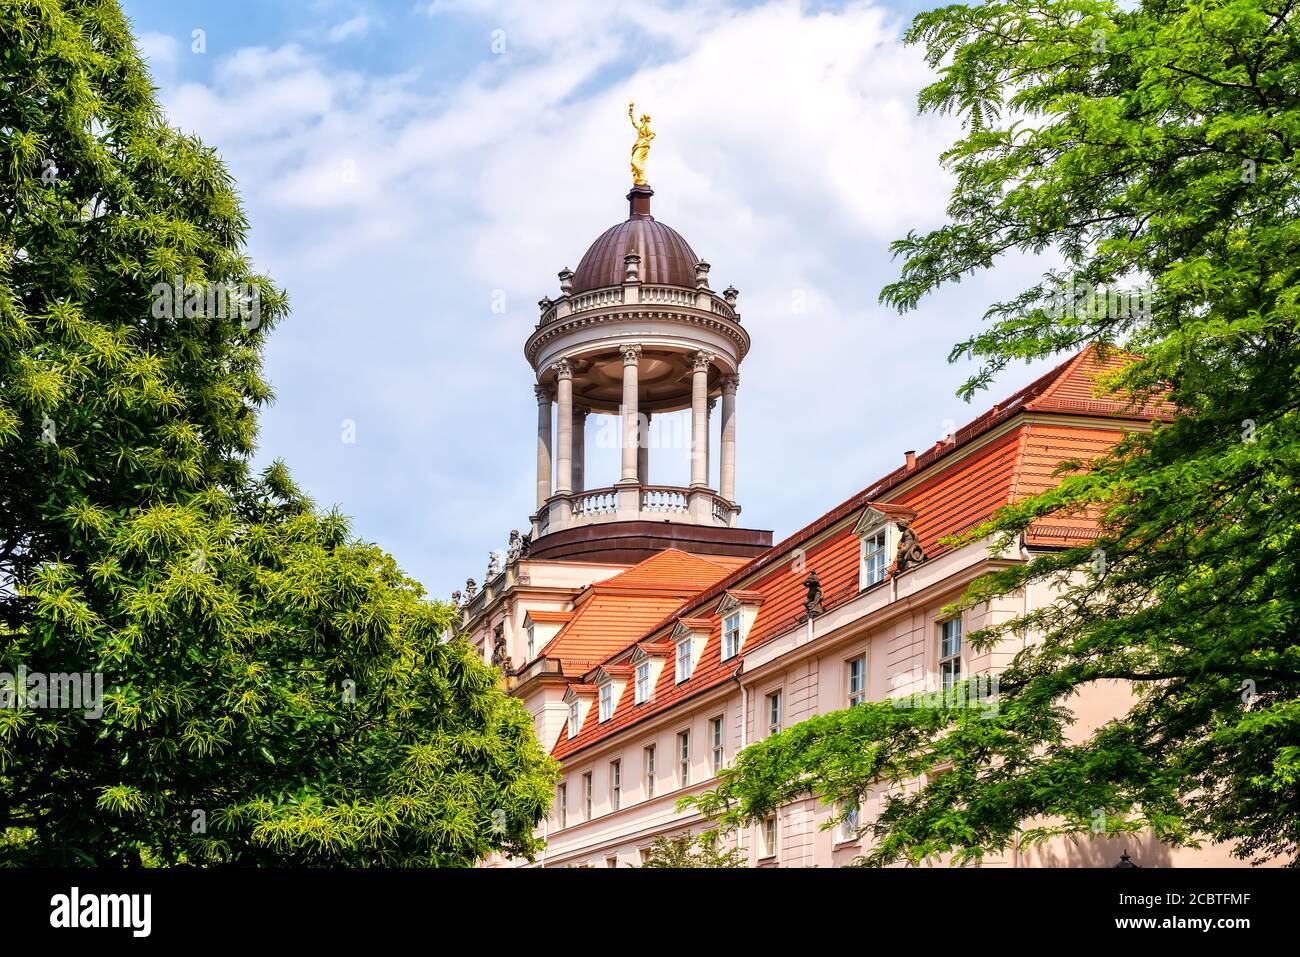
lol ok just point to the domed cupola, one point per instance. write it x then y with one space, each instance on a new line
666 258
635 332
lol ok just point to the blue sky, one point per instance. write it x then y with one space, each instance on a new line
407 165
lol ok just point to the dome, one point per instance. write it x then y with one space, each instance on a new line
666 258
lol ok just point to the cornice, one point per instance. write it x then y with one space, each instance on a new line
682 315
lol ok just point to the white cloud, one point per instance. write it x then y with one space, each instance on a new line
358 26
158 48
789 154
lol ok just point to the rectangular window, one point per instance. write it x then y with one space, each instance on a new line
857 668
684 659
643 682
767 834
573 720
950 652
616 784
874 560
532 642
774 712
562 804
650 771
715 735
683 758
611 862
849 823
731 636
644 854
606 701
586 796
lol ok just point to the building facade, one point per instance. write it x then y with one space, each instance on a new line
652 637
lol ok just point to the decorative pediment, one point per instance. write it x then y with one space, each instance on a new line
579 693
611 673
699 627
644 651
731 600
875 515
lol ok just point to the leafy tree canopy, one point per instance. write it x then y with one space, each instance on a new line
274 690
1139 147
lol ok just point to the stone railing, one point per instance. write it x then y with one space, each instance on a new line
632 502
634 293
663 499
601 502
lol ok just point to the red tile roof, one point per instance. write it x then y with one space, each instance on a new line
612 613
948 500
549 617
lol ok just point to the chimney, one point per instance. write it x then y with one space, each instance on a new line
638 202
910 458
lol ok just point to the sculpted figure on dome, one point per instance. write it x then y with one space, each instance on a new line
641 148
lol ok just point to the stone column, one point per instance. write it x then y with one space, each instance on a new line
727 467
708 446
643 451
564 420
631 423
543 394
580 413
700 420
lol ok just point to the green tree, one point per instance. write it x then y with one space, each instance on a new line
1150 145
274 690
691 851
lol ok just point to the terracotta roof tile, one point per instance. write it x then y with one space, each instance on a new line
949 500
611 614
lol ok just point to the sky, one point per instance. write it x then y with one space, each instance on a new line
416 174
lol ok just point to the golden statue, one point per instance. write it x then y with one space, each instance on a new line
641 148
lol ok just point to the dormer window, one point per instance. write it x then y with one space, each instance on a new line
643 682
574 722
685 658
606 701
877 531
738 611
731 635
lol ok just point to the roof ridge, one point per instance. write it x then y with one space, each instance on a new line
1001 411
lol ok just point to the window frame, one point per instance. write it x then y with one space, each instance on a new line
575 718
873 564
731 635
684 758
769 845
648 770
616 784
587 803
858 696
532 641
774 697
717 742
950 656
606 702
684 664
639 695
562 804
844 833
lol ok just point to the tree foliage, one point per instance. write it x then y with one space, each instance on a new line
689 851
1149 145
275 690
